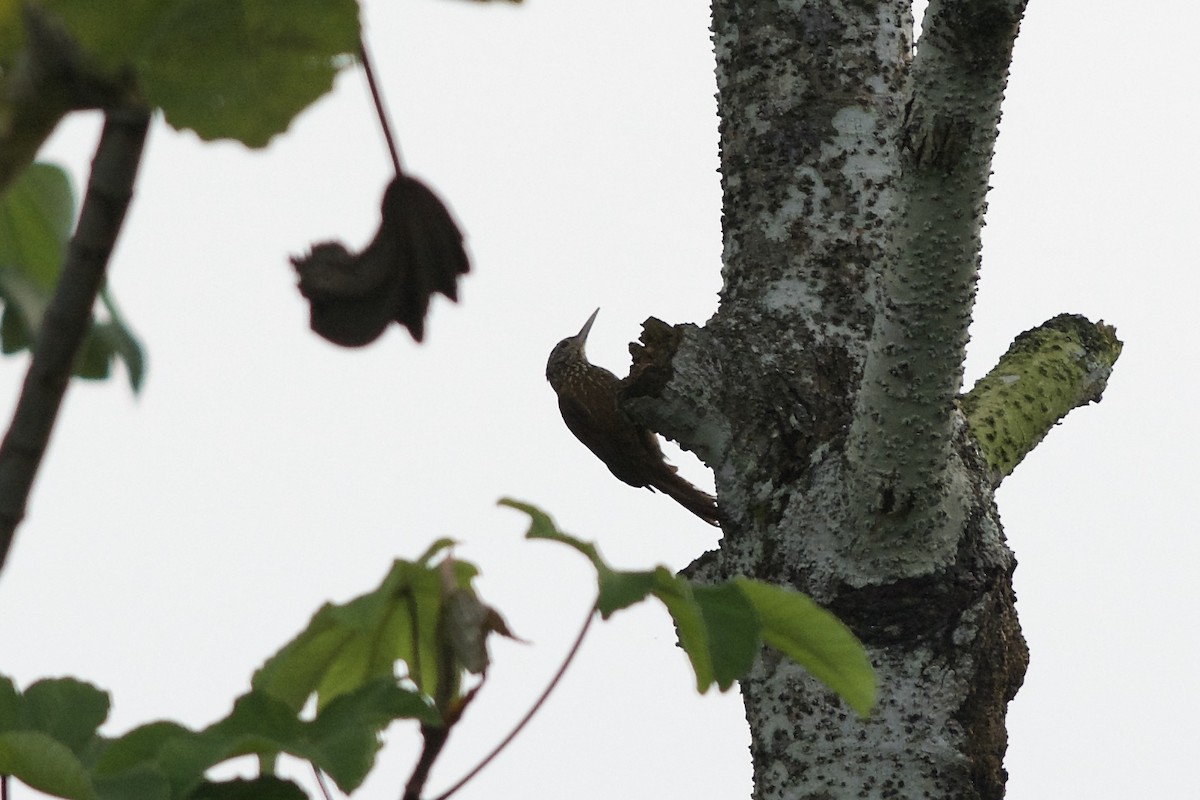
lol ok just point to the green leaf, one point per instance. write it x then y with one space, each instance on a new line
35 226
344 736
615 589
259 724
717 627
347 646
732 631
240 69
676 594
434 549
92 363
14 333
722 627
183 758
164 753
295 671
342 741
104 342
140 783
620 590
67 709
139 747
541 526
814 638
43 763
36 215
264 787
10 705
119 340
10 30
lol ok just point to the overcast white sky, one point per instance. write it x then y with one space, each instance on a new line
176 539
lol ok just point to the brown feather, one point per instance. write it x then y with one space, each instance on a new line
589 399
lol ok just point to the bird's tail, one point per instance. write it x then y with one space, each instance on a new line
699 503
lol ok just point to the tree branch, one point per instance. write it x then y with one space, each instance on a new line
70 312
674 379
1047 372
902 430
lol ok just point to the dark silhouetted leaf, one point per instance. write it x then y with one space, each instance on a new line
418 251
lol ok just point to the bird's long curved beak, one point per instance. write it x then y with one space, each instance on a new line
587 327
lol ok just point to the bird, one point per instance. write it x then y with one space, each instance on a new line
589 398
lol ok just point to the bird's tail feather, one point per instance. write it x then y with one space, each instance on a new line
699 503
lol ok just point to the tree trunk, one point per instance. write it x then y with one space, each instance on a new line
824 392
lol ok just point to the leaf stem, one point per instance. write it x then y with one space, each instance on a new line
321 782
529 714
380 111
435 739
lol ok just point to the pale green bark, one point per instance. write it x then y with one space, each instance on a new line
1058 366
902 432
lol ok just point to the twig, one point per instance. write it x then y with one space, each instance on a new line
435 739
529 714
380 111
69 313
321 782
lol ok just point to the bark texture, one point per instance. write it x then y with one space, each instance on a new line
823 392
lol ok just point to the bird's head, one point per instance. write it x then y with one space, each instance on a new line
568 353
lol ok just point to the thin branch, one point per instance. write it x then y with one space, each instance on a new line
435 736
529 714
435 739
321 782
380 111
69 313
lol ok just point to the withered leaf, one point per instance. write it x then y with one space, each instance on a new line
467 621
417 251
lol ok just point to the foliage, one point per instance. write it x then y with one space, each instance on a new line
418 251
36 213
401 651
241 69
722 627
347 656
408 649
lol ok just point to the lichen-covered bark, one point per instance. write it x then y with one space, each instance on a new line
1048 371
823 392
